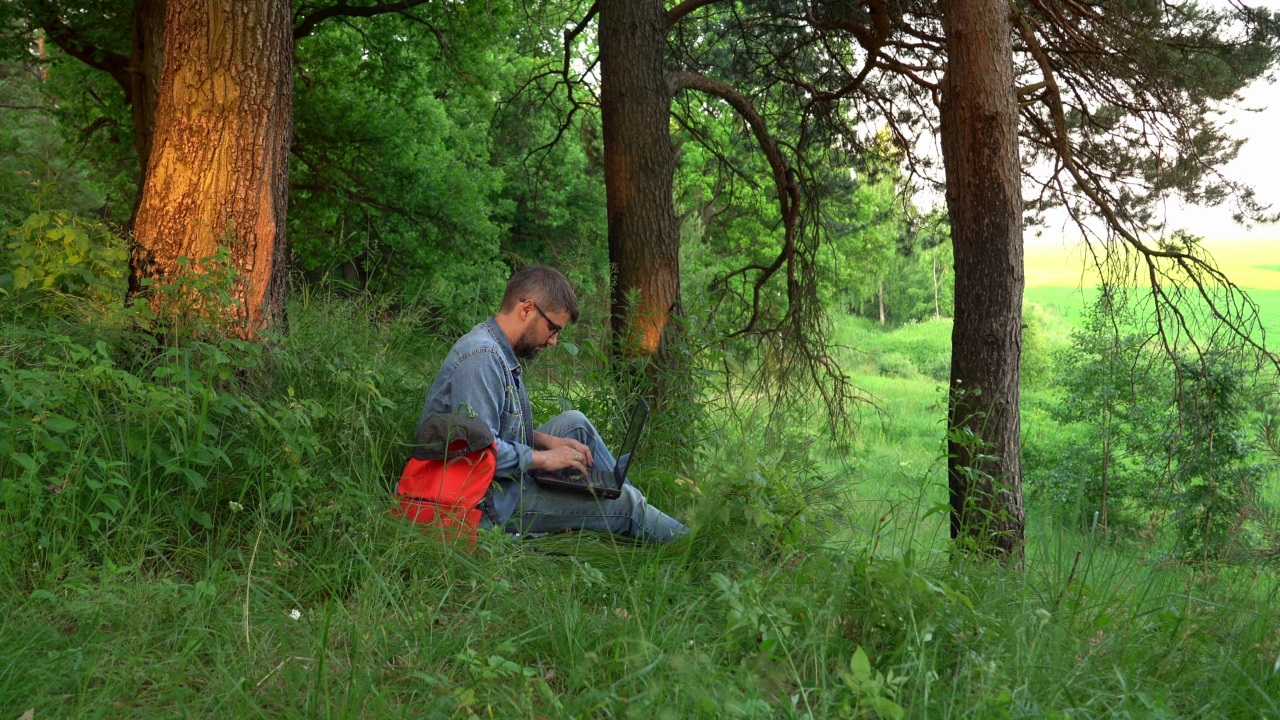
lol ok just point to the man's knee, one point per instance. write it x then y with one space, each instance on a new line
573 418
571 424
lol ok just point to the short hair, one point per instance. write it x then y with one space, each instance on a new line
544 285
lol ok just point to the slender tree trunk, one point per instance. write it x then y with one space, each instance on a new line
880 300
1106 466
980 151
218 170
639 163
937 307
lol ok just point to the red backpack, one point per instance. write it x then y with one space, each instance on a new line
444 482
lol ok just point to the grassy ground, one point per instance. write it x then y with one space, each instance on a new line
1056 278
199 531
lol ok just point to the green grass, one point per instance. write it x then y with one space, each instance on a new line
1055 279
146 575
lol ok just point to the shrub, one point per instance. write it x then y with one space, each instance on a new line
895 364
59 251
776 493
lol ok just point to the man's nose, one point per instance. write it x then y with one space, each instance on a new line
553 339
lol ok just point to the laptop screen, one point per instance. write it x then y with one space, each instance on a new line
628 447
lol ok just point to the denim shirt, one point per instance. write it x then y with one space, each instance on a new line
481 371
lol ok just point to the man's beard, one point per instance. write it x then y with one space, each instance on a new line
526 348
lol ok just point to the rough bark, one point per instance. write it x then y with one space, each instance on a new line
147 56
979 127
639 164
218 170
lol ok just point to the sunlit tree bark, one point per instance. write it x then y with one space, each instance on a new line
217 172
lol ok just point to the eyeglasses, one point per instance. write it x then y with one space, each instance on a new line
555 329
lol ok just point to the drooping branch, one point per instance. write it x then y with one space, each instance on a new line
871 37
306 24
572 34
567 80
1196 268
783 176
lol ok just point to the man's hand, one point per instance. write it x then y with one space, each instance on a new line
562 457
543 441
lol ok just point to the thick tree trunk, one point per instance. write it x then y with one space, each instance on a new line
146 58
980 151
218 170
639 163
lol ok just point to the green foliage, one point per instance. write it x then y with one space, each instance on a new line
119 435
424 163
1115 407
1144 438
874 691
1215 454
776 493
925 346
1037 360
393 188
64 129
59 251
893 364
227 502
910 272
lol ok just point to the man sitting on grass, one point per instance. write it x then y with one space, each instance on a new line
483 372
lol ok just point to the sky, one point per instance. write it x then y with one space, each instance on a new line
1255 119
1256 165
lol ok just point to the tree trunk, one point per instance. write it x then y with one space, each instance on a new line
937 307
880 300
639 163
218 170
147 58
979 125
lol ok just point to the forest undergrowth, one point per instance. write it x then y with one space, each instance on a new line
199 527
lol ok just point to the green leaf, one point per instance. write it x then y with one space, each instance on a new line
860 665
936 509
195 479
21 277
111 502
24 460
60 424
887 708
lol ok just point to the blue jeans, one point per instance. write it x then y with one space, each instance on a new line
547 510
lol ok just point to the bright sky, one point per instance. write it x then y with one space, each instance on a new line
1256 165
1054 255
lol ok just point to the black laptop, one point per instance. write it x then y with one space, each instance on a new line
603 484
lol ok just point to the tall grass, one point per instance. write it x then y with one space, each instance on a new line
201 529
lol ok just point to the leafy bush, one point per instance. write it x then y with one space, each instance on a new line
775 493
926 345
1214 449
58 250
894 364
105 431
1145 436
